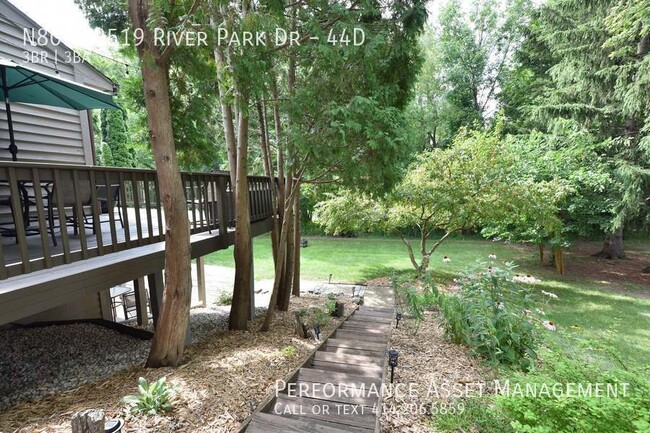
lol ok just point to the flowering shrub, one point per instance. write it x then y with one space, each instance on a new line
495 316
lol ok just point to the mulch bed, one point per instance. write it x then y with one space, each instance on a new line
430 370
220 382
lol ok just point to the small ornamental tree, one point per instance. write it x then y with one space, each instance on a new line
472 184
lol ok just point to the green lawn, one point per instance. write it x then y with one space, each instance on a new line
597 313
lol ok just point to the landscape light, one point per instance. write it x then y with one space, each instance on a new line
392 362
398 317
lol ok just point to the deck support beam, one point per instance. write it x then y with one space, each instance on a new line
200 280
141 301
156 288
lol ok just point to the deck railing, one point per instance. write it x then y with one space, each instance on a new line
56 214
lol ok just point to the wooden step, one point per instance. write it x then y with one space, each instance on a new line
361 370
383 327
343 416
365 330
355 344
368 397
363 336
323 376
369 319
348 359
348 351
268 423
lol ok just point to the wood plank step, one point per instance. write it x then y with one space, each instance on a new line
342 333
368 319
365 330
268 423
323 376
384 309
371 315
355 344
336 413
385 327
348 359
360 352
361 370
367 397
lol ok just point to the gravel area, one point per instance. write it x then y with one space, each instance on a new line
35 362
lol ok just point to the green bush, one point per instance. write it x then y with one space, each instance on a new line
629 413
413 301
493 315
152 398
224 298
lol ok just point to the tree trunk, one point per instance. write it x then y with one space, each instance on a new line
226 114
282 249
296 243
268 171
169 337
612 246
243 249
284 295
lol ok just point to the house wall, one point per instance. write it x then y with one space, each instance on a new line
45 134
48 134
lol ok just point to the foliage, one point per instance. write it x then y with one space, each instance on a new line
548 414
319 316
474 183
478 415
600 53
289 351
494 316
413 301
225 298
153 398
114 137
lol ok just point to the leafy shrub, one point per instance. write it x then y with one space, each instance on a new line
153 398
319 316
224 298
289 351
548 414
494 316
413 301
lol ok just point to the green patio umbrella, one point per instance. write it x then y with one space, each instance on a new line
22 84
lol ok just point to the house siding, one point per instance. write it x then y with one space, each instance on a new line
45 134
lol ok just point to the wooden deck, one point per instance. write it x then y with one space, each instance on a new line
339 388
70 232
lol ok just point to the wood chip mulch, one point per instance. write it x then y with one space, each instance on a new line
220 382
430 371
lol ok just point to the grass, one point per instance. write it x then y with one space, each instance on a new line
586 308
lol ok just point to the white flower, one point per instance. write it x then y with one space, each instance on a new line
490 269
446 259
500 305
539 311
549 325
492 256
549 294
527 312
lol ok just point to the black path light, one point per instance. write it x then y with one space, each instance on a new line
398 317
392 362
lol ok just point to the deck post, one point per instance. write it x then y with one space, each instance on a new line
105 305
141 301
200 280
156 288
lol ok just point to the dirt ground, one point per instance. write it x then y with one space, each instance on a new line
579 263
221 381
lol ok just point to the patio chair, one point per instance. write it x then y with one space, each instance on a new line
103 193
65 192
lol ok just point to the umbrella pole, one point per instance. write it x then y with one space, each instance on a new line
12 141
